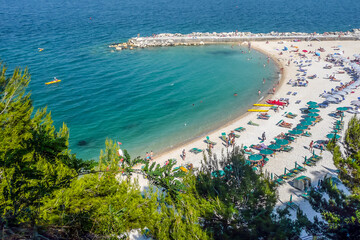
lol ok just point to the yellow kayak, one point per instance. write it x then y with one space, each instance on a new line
54 81
263 105
257 110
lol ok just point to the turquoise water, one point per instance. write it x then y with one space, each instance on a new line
144 98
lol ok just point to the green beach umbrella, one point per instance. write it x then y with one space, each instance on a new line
306 123
313 106
309 119
313 110
266 151
274 147
282 142
331 135
342 109
255 157
301 127
311 103
295 131
312 114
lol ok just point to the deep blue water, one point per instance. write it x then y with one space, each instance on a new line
144 98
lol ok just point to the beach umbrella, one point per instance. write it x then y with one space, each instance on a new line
317 54
255 157
311 103
313 114
342 109
325 95
306 123
266 151
341 93
313 110
356 103
337 96
313 106
282 142
309 119
331 135
301 127
304 50
274 147
331 99
295 131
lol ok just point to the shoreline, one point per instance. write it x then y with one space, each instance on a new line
194 139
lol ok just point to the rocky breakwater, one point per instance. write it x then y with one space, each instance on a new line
198 38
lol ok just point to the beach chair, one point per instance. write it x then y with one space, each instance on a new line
240 129
253 124
288 93
298 101
305 195
285 124
264 117
291 115
248 151
279 181
306 134
309 162
299 167
291 204
195 150
287 148
294 93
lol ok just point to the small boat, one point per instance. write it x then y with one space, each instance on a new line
257 110
263 105
54 81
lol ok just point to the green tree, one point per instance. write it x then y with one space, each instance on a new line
341 211
34 158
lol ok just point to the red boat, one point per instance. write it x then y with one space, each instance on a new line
276 102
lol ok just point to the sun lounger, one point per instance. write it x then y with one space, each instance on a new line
306 134
287 148
285 124
298 101
288 93
291 115
279 181
248 151
265 117
294 93
299 168
253 124
195 150
240 129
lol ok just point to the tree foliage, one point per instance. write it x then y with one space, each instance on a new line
341 211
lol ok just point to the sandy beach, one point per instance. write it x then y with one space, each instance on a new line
253 134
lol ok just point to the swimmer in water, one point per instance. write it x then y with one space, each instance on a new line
264 80
259 92
235 94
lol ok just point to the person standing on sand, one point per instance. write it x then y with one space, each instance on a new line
151 155
311 145
263 136
183 155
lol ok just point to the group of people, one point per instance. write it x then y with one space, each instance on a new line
149 156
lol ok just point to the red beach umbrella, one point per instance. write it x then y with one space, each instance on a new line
305 50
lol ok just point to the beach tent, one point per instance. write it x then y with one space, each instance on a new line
302 183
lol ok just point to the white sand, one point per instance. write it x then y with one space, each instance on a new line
319 131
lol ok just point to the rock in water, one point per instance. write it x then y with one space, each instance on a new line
82 143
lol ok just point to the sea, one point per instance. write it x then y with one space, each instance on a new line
155 98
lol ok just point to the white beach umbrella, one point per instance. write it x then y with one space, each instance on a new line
331 99
341 93
326 95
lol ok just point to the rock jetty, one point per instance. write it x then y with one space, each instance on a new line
198 38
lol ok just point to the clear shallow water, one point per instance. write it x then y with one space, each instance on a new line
144 98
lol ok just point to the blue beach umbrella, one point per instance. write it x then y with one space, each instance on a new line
255 157
266 151
274 147
282 142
